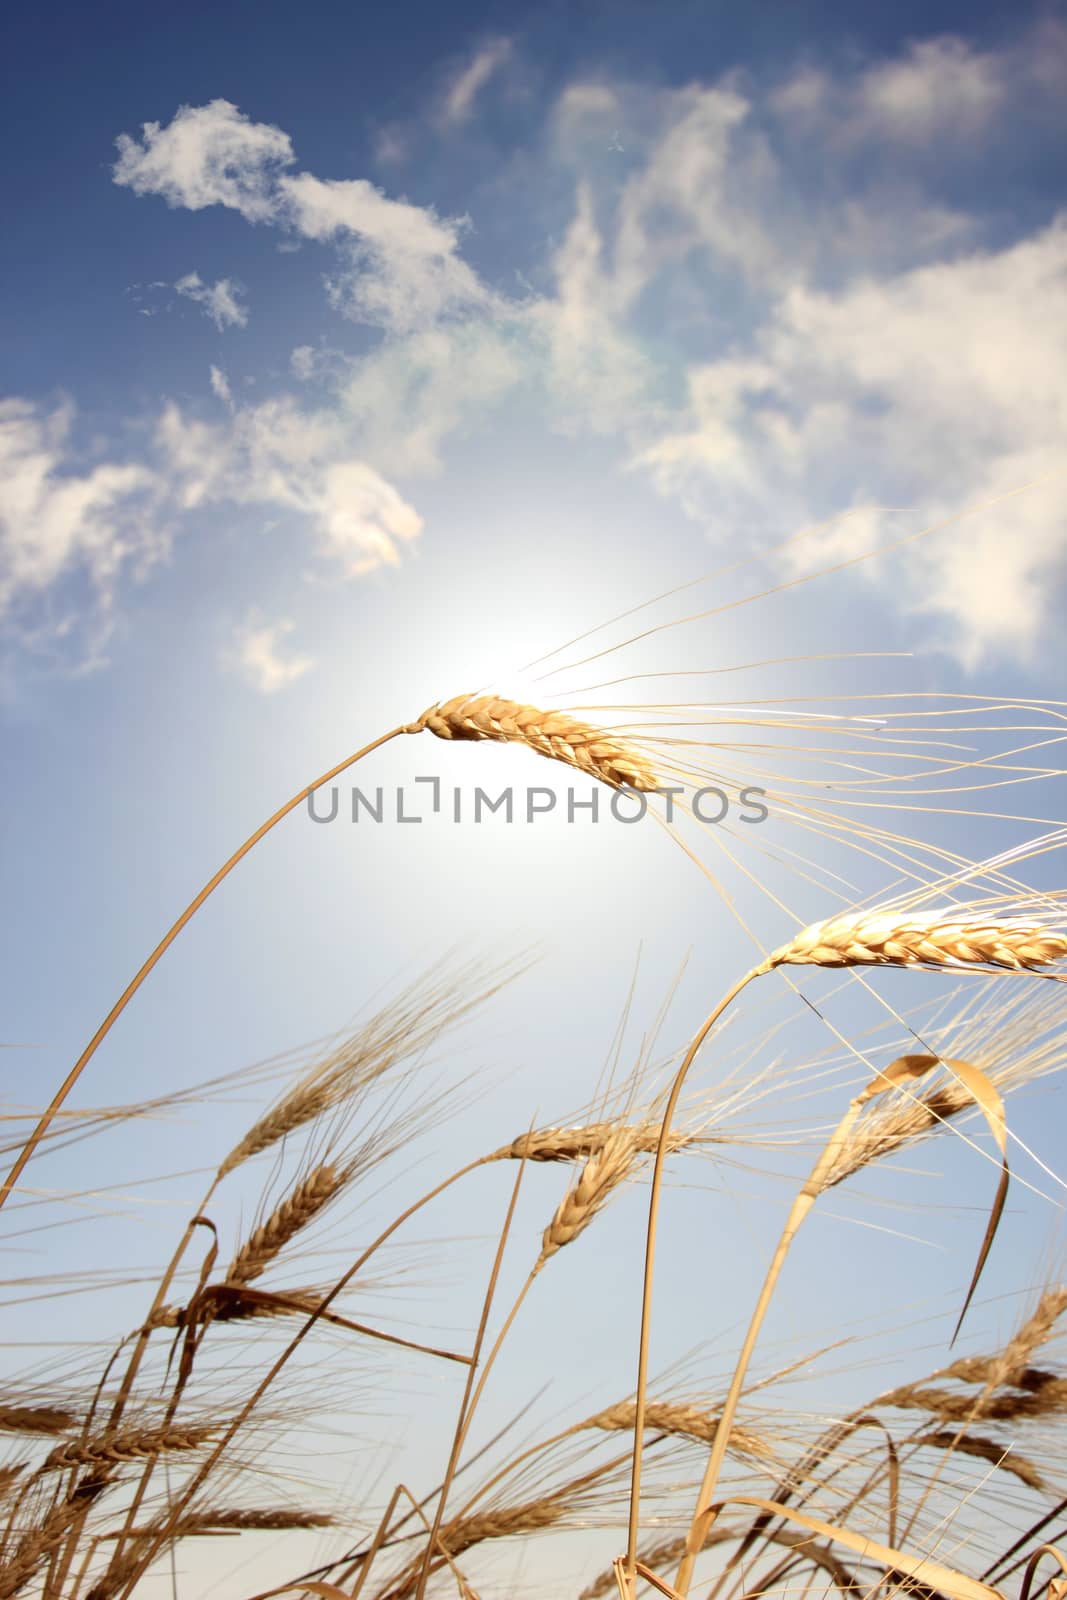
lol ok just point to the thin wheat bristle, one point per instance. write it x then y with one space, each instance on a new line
129 1445
36 1419
999 1455
689 1421
610 1166
295 1212
551 733
932 939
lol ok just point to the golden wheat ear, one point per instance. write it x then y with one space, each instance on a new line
554 734
930 939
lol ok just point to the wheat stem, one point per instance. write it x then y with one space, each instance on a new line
163 946
662 1150
799 1210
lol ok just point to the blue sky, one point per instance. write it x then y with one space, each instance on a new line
353 357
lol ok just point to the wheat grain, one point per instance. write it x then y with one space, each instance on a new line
1048 1395
462 1533
400 1031
579 1143
295 1212
609 1167
35 1547
1000 1455
112 1449
1035 1331
554 734
931 939
35 1419
688 1421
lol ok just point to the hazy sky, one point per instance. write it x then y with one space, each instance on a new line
355 355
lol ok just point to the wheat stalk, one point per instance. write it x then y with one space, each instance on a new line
554 734
295 1212
927 939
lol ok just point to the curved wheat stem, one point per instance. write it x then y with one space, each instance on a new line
948 940
550 733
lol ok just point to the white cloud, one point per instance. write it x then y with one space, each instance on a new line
458 101
256 654
302 362
700 188
940 87
403 400
595 372
209 155
220 386
941 84
944 386
277 455
61 521
405 267
402 266
219 300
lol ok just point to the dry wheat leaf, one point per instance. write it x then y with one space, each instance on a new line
991 1105
898 1072
921 1568
1056 1585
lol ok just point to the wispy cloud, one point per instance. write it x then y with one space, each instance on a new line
457 103
64 520
256 652
219 300
292 460
220 386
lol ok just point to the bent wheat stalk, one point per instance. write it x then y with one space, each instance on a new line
466 717
947 940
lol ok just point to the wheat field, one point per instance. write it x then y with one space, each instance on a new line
173 1426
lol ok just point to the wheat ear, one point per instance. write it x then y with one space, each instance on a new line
295 1212
930 939
601 1175
35 1419
133 1444
551 733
